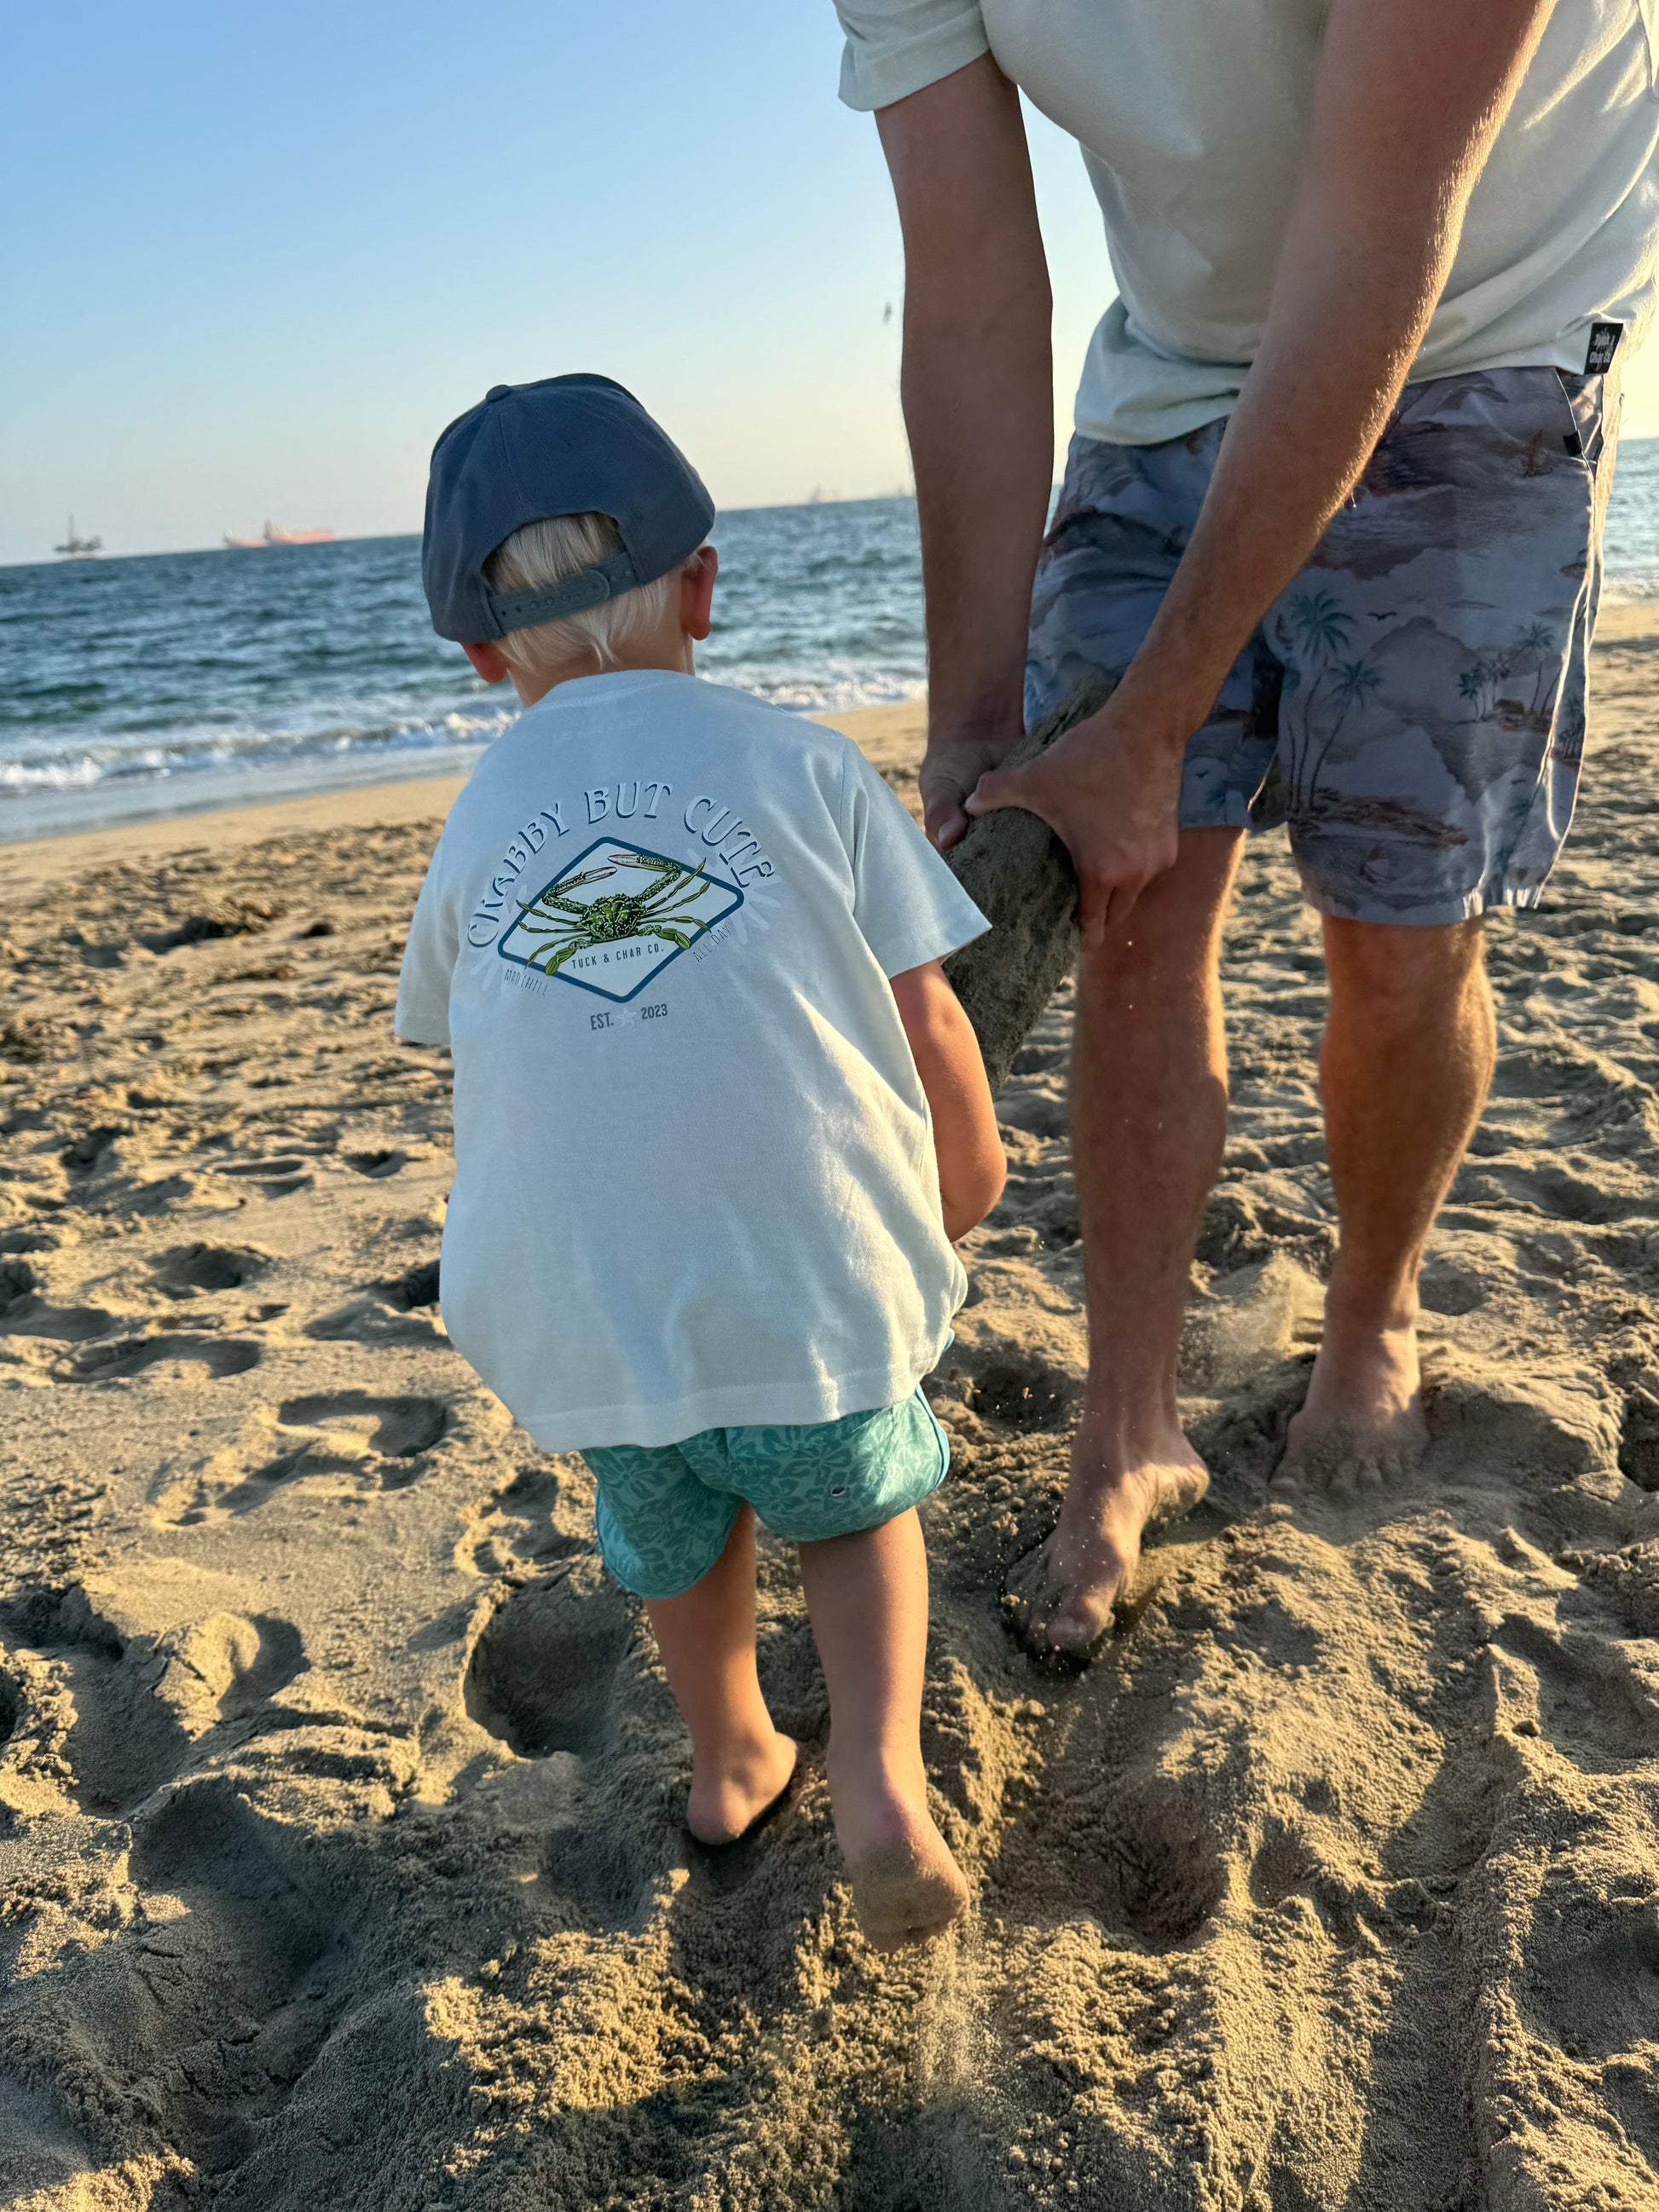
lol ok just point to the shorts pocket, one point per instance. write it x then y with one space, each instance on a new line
1583 414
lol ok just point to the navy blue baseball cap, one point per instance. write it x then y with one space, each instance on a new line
527 451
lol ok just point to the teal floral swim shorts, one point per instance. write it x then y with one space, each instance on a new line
1412 706
663 1512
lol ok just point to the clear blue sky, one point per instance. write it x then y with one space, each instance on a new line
259 256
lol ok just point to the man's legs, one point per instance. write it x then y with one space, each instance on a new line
1407 1059
1149 1112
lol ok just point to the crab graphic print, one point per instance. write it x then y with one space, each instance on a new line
615 916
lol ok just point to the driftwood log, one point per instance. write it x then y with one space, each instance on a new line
1020 876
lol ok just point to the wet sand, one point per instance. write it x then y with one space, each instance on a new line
340 1795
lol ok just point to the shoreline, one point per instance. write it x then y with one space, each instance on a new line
1628 633
888 735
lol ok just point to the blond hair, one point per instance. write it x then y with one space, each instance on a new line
543 554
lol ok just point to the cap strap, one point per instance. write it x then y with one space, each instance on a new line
588 587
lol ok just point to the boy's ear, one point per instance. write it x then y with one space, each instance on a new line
487 660
697 592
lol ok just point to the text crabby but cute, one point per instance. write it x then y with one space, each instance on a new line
727 837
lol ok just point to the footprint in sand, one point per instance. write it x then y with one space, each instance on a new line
218 1970
238 1976
1143 1865
546 1678
342 1444
392 1428
25 1311
84 1151
277 1178
164 1359
31 1240
1595 1978
1577 1690
140 1694
1025 1391
222 1965
378 1164
1552 1191
1453 1290
415 1288
402 1310
190 1268
541 1672
543 1513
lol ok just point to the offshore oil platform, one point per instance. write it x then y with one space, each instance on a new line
78 549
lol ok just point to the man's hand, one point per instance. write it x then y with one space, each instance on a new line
951 766
1109 790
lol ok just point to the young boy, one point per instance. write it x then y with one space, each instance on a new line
718 1115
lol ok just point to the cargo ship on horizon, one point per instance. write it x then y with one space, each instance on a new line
276 535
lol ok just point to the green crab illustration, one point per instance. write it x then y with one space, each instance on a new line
570 927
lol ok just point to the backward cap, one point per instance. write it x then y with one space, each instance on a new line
567 444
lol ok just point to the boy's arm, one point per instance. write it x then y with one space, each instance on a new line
971 1166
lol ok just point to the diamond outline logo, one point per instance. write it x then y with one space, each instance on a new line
660 913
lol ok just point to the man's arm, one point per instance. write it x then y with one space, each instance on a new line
978 392
971 1164
1409 97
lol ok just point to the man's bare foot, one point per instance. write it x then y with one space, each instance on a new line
1060 1596
727 1802
1362 1423
905 1886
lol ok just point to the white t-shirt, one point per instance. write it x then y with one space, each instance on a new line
696 1184
1193 119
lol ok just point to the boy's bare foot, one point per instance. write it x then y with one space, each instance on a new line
1059 1598
905 1886
725 1803
1361 1425
906 1892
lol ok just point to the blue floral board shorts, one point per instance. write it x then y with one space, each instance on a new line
1411 705
663 1512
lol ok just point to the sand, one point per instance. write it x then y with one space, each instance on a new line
340 1861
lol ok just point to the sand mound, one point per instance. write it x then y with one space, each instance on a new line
340 1846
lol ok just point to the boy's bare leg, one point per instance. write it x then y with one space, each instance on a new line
867 1595
1407 1059
739 1762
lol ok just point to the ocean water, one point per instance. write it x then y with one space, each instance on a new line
1632 545
158 684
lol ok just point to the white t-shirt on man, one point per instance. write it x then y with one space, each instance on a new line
1193 119
696 1185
